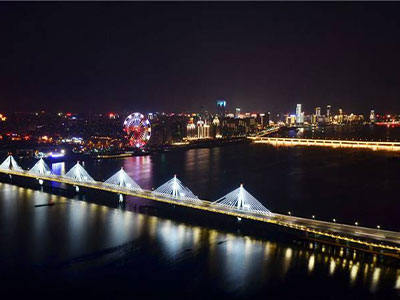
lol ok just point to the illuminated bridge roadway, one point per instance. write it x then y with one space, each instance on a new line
373 145
238 203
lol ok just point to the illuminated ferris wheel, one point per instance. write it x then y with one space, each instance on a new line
138 129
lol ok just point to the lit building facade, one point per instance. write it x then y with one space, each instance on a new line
203 130
191 130
328 111
318 112
216 128
237 113
221 107
372 117
299 115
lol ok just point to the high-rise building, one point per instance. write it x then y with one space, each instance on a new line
372 116
216 128
341 118
237 113
263 120
191 130
328 111
314 119
221 107
299 115
318 112
292 120
203 130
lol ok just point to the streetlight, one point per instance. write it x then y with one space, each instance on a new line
334 220
356 223
378 226
313 216
289 213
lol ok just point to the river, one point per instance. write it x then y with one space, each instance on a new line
89 245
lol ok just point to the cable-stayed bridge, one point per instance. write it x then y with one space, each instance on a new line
238 203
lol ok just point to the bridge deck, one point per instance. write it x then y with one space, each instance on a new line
382 239
373 145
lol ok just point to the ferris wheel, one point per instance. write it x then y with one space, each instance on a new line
138 129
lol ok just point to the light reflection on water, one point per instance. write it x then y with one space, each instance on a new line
71 229
140 169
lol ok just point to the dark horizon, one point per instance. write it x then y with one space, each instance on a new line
180 56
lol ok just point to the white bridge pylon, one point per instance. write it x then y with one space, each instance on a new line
175 189
40 168
122 179
78 173
10 164
242 200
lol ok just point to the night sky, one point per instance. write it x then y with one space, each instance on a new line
178 56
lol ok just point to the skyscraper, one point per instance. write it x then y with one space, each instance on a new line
318 112
299 116
340 119
328 111
372 116
203 130
191 130
221 107
237 113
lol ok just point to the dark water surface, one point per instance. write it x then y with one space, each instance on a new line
77 247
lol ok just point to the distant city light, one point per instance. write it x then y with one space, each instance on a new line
221 103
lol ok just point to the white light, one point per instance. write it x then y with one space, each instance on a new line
240 199
174 188
78 173
122 179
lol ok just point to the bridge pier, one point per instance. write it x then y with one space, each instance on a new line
120 198
77 189
41 184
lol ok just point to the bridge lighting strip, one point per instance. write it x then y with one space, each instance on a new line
205 205
388 146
